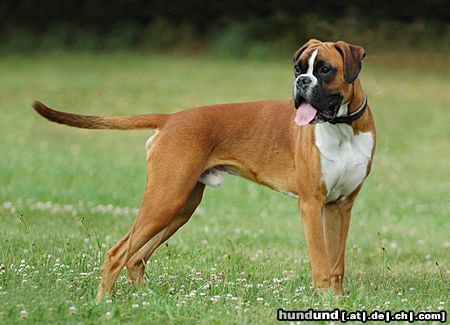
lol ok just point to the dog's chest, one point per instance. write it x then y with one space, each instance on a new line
343 156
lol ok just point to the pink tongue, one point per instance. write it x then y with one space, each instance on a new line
305 114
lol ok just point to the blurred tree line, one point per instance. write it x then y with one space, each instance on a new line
230 28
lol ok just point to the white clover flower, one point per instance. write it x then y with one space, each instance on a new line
214 299
23 314
72 310
7 205
394 245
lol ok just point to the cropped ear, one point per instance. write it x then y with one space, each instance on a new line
304 47
352 55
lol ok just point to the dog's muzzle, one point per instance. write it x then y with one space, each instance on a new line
326 104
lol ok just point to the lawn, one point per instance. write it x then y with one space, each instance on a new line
67 195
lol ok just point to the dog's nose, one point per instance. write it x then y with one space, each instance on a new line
303 81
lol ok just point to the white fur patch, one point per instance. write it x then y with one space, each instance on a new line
343 157
149 142
309 73
212 177
310 70
289 194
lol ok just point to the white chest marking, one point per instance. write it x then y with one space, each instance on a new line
343 157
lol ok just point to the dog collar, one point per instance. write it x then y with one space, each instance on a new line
352 116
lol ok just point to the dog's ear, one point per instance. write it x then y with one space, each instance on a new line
352 56
304 47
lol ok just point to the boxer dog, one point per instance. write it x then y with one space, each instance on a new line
317 147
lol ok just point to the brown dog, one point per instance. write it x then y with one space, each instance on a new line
320 153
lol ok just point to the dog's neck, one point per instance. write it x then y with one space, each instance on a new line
356 100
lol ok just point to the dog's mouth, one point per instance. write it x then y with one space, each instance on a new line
308 114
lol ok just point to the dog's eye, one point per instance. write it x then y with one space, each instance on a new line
296 70
324 70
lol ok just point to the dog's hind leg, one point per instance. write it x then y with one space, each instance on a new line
136 264
171 178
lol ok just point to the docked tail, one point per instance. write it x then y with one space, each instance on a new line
147 121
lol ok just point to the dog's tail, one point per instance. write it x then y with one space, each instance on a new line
147 121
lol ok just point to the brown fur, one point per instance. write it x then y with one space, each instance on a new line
258 141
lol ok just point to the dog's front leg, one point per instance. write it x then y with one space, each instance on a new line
336 224
311 212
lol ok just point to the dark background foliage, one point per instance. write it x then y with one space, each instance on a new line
239 27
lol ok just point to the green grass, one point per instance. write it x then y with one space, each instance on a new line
64 195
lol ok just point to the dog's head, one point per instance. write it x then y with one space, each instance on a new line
324 75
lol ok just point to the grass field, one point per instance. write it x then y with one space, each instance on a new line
67 195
